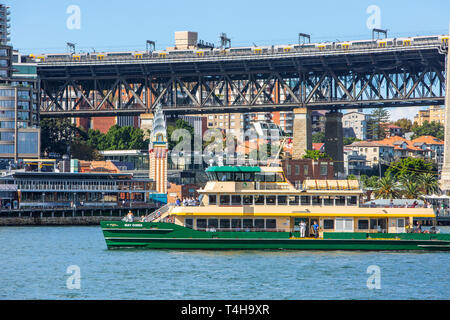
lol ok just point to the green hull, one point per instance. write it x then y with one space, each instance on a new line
170 236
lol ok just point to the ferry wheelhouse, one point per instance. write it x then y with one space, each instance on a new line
258 208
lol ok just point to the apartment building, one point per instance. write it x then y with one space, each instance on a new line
433 113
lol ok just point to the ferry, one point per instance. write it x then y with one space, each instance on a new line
251 207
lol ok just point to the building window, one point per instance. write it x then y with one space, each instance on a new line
323 169
305 170
297 169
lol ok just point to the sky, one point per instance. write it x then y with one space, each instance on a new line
116 25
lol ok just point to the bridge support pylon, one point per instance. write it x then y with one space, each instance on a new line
445 174
334 144
301 135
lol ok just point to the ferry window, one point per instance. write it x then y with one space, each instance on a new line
269 177
224 223
279 177
248 177
189 223
377 224
201 223
328 224
293 200
238 176
236 200
271 223
328 201
213 223
316 201
259 223
363 224
222 176
282 200
352 201
270 200
247 200
259 200
340 201
212 199
236 223
225 200
305 200
248 223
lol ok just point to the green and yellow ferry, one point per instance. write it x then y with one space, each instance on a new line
257 208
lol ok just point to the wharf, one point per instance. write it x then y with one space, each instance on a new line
70 216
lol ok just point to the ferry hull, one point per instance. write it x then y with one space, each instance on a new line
171 236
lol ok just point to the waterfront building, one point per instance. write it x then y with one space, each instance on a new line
373 151
354 125
433 113
19 109
67 189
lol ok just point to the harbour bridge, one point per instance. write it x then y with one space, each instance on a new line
372 74
399 72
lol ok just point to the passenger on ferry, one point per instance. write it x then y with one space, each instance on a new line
178 202
302 229
418 228
185 202
129 217
316 229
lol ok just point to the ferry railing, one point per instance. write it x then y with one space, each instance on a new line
159 213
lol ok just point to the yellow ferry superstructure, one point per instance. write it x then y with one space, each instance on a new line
255 194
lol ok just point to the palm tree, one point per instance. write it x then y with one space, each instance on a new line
428 183
412 190
386 188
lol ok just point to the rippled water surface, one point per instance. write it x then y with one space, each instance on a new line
34 262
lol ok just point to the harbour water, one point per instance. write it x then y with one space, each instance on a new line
34 264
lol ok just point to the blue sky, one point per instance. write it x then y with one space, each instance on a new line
40 26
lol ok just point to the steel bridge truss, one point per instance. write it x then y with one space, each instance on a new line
244 89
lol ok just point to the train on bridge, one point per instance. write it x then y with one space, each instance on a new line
252 50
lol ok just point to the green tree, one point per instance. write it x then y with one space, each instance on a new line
405 124
315 155
179 124
411 190
58 134
409 166
429 183
434 129
318 137
386 188
375 127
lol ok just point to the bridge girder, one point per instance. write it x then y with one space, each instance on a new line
412 77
